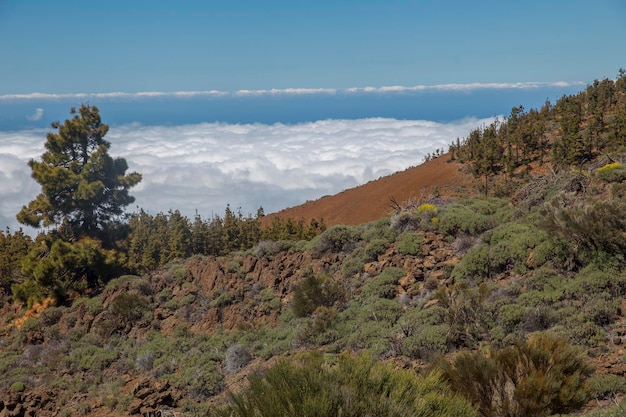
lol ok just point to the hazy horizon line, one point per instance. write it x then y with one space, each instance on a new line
451 87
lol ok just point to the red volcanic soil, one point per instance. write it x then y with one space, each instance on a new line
371 201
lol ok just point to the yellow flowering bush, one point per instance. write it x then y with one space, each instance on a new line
428 213
613 172
427 208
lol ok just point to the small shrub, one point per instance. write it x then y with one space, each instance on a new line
385 284
414 319
543 376
266 248
129 307
202 381
123 402
473 217
191 408
579 329
30 325
378 230
383 311
606 387
463 243
110 401
178 271
510 316
119 281
267 294
404 222
538 318
18 386
367 325
352 265
313 292
543 279
301 245
142 286
92 359
164 295
223 298
339 239
375 248
145 361
409 243
547 251
82 409
237 357
599 279
272 305
474 266
602 310
429 341
355 386
589 228
186 300
172 304
321 320
510 244
465 308
427 208
51 316
234 266
93 305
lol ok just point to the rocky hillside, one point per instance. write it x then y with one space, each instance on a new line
50 354
506 270
434 278
126 349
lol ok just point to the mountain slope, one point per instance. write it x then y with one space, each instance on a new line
450 278
374 200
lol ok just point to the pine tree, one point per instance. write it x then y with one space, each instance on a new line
199 236
488 154
13 247
84 190
83 195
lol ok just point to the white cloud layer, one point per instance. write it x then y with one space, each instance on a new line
203 167
289 91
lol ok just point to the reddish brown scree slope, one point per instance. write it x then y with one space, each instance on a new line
373 200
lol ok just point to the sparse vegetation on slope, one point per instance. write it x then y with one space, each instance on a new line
522 292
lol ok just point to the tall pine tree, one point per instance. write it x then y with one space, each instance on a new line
83 195
83 189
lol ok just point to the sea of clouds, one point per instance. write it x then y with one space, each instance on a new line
200 168
273 148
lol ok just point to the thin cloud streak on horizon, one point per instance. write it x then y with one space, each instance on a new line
201 168
289 91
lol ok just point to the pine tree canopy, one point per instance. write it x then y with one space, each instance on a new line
83 189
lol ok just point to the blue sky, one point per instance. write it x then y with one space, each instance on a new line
132 46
